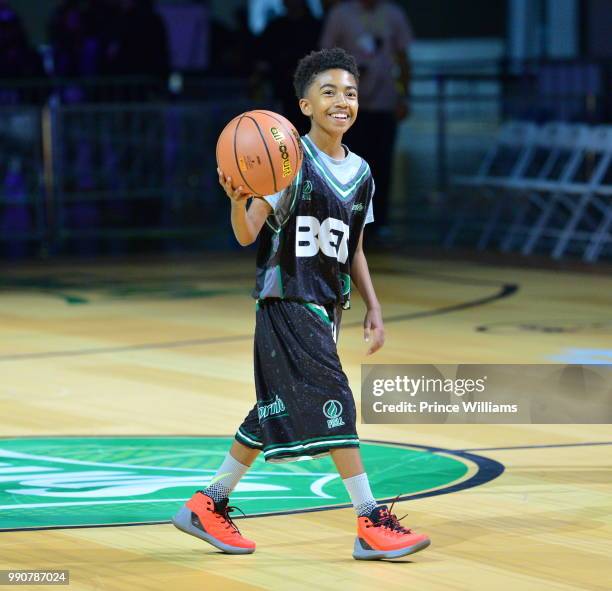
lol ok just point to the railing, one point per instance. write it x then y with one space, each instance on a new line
118 89
107 165
95 178
455 120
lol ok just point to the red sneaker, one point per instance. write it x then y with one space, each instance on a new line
380 535
203 518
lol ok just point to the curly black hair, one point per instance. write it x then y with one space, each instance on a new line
318 61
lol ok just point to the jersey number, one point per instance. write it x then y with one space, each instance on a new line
330 237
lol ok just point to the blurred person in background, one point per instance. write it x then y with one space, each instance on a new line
78 53
139 48
18 173
282 44
378 34
18 59
101 19
140 44
77 49
232 47
327 5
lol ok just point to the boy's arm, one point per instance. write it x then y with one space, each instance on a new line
245 223
373 322
248 223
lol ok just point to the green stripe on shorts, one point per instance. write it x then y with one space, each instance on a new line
314 449
248 439
310 444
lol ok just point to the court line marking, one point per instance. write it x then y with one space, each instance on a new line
505 290
124 502
5 453
487 470
536 446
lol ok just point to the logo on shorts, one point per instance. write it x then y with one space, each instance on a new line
276 408
332 409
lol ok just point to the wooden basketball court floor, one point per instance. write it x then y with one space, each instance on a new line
165 348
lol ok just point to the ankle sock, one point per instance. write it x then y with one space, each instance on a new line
358 488
226 478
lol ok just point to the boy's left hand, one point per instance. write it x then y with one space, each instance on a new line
373 330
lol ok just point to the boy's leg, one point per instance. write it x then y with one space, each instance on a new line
379 533
350 467
244 450
245 455
206 514
237 461
348 461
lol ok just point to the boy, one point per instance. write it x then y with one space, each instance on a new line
310 247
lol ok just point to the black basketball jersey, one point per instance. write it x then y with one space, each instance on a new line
306 246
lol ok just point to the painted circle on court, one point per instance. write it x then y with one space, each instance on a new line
55 482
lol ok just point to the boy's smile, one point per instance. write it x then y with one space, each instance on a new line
331 101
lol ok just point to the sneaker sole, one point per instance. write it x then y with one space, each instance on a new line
182 521
360 553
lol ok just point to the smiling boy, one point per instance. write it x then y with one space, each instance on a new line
310 248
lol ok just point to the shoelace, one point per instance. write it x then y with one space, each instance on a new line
226 516
391 521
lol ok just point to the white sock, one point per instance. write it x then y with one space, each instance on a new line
225 480
358 488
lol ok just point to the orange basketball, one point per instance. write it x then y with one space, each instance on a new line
261 151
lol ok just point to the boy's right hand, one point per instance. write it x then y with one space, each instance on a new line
238 195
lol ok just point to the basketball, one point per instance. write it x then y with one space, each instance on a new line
261 151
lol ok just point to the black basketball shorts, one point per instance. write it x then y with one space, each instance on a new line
305 406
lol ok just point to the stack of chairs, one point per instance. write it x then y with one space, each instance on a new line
543 189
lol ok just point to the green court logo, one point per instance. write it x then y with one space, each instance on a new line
88 481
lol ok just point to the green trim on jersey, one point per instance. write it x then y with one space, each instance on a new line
343 190
279 276
345 279
320 311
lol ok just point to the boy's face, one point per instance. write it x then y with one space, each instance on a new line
331 101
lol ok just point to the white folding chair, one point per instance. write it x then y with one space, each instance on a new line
581 198
602 236
554 144
507 158
500 188
548 194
